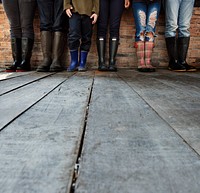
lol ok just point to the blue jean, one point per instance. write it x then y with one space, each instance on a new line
80 29
145 16
178 14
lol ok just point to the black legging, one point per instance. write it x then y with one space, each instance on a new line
51 15
20 14
110 12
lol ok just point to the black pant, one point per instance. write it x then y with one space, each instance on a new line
20 14
80 28
110 12
51 15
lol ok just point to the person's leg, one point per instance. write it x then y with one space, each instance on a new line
185 14
102 26
27 13
86 32
172 8
152 17
74 37
139 14
45 8
12 11
116 10
46 13
58 34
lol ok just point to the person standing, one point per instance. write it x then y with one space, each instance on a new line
82 16
20 14
178 15
52 27
145 13
110 12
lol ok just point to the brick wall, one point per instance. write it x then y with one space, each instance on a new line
126 56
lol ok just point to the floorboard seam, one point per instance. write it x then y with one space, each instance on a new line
160 116
76 167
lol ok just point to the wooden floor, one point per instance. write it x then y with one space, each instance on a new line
95 132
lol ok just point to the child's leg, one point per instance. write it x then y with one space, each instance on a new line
86 30
74 39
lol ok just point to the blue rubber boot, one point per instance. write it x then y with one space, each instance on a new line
82 61
74 61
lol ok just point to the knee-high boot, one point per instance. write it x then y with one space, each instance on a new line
16 53
57 52
113 46
141 67
46 43
101 48
27 46
148 53
172 54
182 49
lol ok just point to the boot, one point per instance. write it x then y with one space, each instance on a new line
46 43
27 46
74 61
16 53
101 48
113 45
82 61
182 49
57 51
172 54
140 56
148 53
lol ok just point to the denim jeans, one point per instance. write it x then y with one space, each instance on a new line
178 14
20 14
51 15
80 29
110 13
145 16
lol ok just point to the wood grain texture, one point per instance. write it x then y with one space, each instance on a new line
129 147
39 149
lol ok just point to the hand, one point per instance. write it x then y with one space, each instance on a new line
127 3
94 18
68 12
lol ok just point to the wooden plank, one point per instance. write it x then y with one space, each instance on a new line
129 148
39 149
175 97
9 85
9 75
13 104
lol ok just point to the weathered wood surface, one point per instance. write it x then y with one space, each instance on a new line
142 132
9 85
129 146
39 149
175 97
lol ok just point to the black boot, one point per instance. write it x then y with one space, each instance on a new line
113 46
101 48
16 53
27 46
172 53
57 52
182 49
46 43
